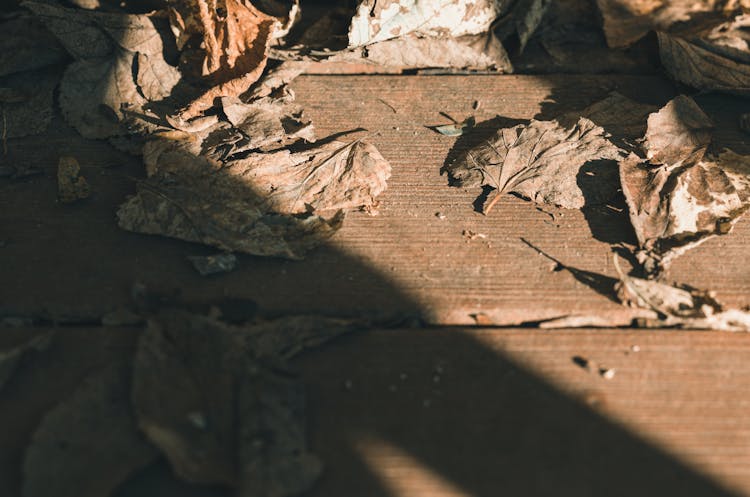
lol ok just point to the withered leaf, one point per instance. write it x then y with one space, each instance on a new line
475 52
545 161
626 21
120 68
234 37
261 204
678 134
71 185
89 444
705 65
377 20
10 358
678 197
679 306
234 416
673 210
26 45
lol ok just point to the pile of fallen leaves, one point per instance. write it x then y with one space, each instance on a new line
678 193
200 89
219 401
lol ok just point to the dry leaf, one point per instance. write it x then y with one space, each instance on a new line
473 52
380 20
626 21
714 59
120 68
261 204
26 45
225 43
679 306
233 416
89 444
678 197
10 358
71 185
544 161
678 134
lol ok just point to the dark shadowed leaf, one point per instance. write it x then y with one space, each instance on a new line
234 415
88 444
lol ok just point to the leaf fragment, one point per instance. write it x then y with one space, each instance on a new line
10 358
456 129
678 305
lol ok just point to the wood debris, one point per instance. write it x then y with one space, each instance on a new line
71 185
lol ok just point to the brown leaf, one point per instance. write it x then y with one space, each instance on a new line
88 444
678 134
707 65
233 415
233 36
477 52
378 20
678 306
687 197
26 45
120 68
626 21
71 185
545 161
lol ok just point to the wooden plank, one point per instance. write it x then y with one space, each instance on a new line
507 412
73 260
471 412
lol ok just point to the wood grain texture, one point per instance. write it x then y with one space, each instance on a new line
73 260
470 412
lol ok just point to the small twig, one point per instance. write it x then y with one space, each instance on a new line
388 105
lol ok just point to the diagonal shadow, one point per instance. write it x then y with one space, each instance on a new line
491 427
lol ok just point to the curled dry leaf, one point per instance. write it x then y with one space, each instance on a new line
626 21
686 196
710 59
377 20
473 52
233 416
95 420
678 134
550 163
261 204
423 34
119 70
71 185
223 43
679 306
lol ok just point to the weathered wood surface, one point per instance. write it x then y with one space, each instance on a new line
471 412
74 261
